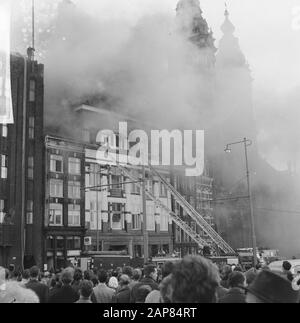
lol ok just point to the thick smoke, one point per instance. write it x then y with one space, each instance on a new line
148 71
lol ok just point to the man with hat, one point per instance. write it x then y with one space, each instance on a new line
269 287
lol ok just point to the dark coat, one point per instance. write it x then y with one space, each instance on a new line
145 281
40 289
123 295
234 296
65 294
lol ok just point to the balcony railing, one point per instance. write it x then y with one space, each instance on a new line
7 232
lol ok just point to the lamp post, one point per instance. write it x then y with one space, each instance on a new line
248 143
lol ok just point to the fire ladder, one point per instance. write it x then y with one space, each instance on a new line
200 221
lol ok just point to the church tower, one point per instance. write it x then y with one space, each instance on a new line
194 27
234 87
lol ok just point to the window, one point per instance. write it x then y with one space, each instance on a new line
94 176
163 191
29 213
70 243
32 88
77 243
74 215
116 216
56 164
4 130
74 190
150 218
4 166
56 215
60 243
136 222
2 211
74 166
30 167
31 128
164 221
56 188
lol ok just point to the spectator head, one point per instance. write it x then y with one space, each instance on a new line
248 267
53 283
236 279
87 275
124 280
226 271
142 293
167 269
67 276
269 287
86 288
195 280
34 272
250 276
137 274
150 271
11 268
95 280
238 268
113 282
102 276
166 290
128 271
78 275
286 266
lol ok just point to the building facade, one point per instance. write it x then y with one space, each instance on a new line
21 182
64 216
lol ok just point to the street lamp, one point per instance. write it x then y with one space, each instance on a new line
247 143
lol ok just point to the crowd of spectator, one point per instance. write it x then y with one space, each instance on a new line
192 280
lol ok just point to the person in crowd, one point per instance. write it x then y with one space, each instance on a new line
127 270
150 278
85 291
113 282
40 289
225 272
95 281
102 293
166 290
286 269
269 287
123 294
77 280
25 277
136 277
250 275
236 293
141 293
66 293
194 280
55 285
154 296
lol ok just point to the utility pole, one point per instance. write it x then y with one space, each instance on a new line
248 143
145 232
251 205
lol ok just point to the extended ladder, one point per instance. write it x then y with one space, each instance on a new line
177 220
200 221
